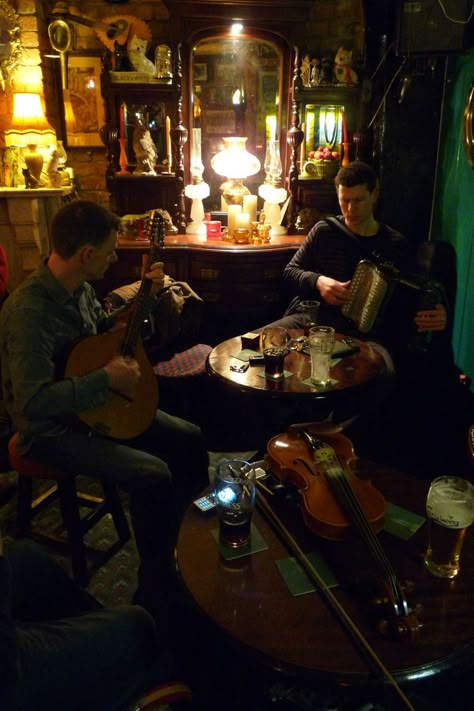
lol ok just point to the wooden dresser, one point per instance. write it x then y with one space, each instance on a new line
241 285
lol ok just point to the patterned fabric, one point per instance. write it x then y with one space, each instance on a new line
188 363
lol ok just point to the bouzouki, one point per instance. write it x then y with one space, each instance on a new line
122 417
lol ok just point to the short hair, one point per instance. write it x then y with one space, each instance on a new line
356 173
78 223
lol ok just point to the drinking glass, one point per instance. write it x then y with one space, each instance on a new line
275 347
234 488
450 511
309 310
321 343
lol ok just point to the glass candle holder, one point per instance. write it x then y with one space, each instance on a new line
241 235
214 229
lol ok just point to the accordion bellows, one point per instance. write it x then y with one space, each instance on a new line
369 287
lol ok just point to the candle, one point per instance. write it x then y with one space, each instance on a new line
345 135
242 220
121 122
303 146
232 212
168 142
250 206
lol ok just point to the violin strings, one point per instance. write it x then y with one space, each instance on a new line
339 481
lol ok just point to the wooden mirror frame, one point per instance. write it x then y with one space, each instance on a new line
9 31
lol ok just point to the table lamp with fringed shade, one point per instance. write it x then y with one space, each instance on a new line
30 128
235 163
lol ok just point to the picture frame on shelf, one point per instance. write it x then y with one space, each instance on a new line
85 116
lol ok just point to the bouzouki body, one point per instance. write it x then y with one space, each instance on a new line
122 417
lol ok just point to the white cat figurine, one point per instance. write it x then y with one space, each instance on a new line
136 53
343 72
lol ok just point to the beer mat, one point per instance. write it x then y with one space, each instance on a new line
340 349
400 522
297 582
245 354
257 543
321 388
286 374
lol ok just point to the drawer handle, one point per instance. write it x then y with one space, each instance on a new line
210 274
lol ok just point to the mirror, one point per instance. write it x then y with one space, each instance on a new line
10 42
236 87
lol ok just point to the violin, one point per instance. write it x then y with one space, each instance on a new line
316 459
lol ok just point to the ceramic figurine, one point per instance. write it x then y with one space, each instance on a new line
306 71
136 53
314 80
343 72
122 62
143 146
326 71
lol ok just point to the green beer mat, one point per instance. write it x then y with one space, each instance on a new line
297 582
245 354
286 374
400 522
257 543
309 382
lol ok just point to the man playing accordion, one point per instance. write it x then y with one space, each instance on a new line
409 330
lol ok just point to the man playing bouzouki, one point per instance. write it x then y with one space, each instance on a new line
162 468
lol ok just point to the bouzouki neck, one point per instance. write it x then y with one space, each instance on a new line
155 232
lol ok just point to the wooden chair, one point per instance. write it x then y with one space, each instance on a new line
30 470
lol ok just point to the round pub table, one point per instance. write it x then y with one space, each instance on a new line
349 371
249 602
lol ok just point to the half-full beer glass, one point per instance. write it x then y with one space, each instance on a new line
450 511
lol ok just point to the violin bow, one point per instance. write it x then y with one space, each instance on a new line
373 661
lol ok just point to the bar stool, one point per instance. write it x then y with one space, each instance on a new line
64 488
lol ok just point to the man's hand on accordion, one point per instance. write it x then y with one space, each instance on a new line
333 292
432 319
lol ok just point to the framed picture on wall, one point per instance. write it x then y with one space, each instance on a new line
200 72
84 109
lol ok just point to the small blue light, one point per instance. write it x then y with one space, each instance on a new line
227 496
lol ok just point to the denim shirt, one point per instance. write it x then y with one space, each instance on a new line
38 324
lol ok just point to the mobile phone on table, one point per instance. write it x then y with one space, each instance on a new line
256 360
206 503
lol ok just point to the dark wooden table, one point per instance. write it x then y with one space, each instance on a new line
249 602
351 371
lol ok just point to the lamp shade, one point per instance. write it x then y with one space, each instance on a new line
234 161
29 125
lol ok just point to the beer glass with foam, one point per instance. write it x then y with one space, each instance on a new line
450 511
275 347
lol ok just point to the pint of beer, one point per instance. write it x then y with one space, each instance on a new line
450 511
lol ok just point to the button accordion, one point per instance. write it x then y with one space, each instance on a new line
371 288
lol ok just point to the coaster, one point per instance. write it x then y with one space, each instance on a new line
245 354
286 374
319 388
257 543
400 522
297 582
